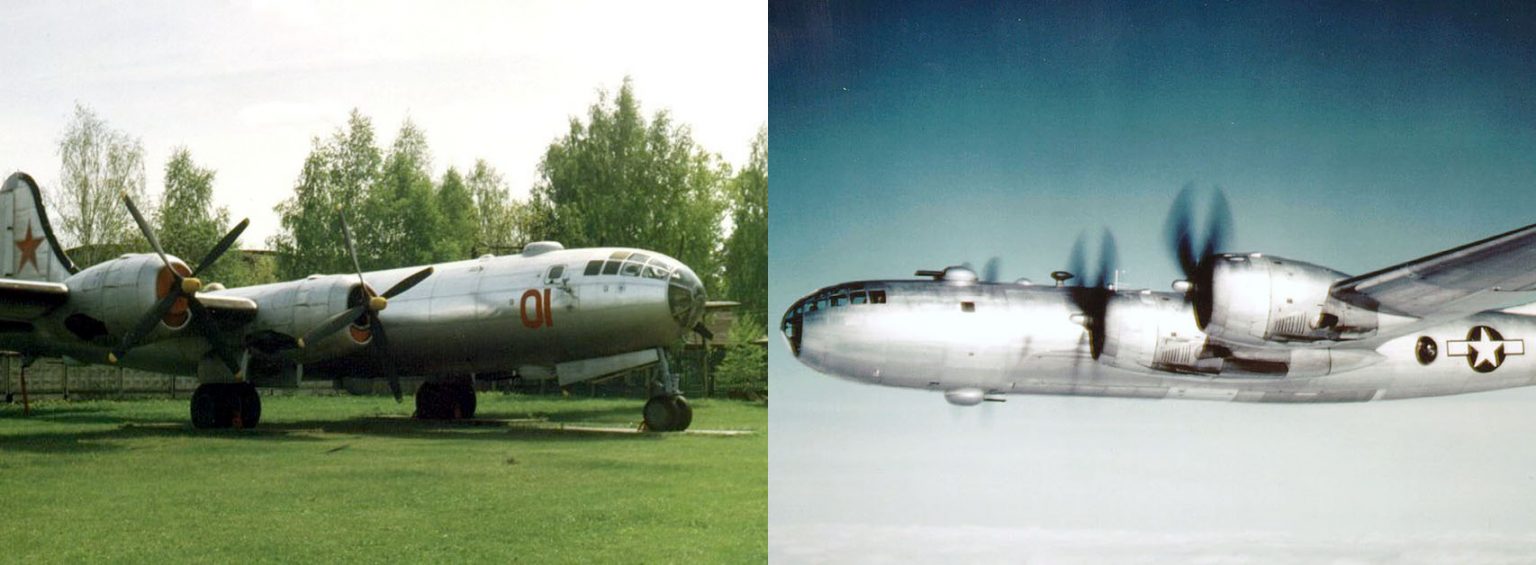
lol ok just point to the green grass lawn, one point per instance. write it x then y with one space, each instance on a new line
328 479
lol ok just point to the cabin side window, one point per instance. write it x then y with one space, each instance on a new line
656 269
839 298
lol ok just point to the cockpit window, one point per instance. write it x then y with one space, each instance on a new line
877 297
555 273
593 267
858 298
619 255
612 267
657 269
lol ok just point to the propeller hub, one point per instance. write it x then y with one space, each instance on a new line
378 303
190 285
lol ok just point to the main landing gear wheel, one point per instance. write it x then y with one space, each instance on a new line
667 414
445 401
225 405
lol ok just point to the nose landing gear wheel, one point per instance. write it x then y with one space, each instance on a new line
667 414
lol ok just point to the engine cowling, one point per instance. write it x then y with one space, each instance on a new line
1155 331
298 307
1258 299
109 298
1158 331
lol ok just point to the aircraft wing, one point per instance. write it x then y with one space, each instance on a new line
24 301
1497 272
238 309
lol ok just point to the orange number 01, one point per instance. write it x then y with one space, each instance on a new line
541 315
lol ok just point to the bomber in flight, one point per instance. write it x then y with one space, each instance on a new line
548 312
1246 327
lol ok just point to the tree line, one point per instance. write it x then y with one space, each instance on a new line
616 177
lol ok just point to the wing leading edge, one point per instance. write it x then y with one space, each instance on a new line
24 301
1492 273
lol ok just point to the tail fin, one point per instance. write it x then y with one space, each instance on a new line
31 252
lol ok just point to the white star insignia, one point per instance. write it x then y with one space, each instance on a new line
1485 350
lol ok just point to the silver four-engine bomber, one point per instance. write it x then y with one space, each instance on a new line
1241 326
548 312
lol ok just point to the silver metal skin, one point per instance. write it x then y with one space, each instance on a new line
545 311
484 315
977 341
478 316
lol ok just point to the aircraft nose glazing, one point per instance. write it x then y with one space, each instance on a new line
791 325
686 297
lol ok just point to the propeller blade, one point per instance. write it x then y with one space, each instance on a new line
149 234
147 323
1109 256
215 337
1198 266
703 331
1180 226
408 282
334 323
1220 220
346 234
223 246
989 273
1075 261
381 349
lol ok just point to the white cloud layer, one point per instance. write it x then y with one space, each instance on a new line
836 543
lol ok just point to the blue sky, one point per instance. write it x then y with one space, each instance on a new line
909 136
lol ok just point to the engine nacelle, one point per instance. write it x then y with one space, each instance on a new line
1155 331
1259 299
295 308
109 298
1158 331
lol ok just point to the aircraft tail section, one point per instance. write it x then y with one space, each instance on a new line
30 252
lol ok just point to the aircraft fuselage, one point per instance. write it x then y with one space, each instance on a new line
1020 339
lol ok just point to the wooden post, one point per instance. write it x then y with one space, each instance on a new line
26 403
709 379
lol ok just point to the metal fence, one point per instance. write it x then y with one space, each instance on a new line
54 379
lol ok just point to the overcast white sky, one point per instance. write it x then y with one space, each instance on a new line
246 85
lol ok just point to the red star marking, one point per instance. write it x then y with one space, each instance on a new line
28 249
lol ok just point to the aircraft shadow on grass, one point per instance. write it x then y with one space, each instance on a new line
507 427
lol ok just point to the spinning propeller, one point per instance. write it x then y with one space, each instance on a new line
1093 291
182 292
369 307
1196 250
